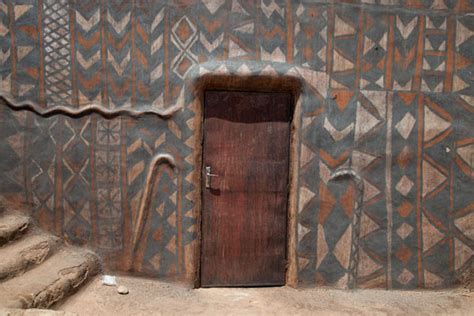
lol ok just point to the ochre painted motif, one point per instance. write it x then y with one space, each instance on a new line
97 90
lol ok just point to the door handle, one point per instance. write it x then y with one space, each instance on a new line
208 177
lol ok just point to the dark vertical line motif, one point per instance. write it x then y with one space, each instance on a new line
451 215
42 88
166 63
72 24
257 30
103 18
93 187
360 42
58 178
419 189
450 47
127 218
388 186
26 157
330 37
179 203
13 50
390 53
419 53
289 28
133 25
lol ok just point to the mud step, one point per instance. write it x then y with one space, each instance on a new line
13 226
21 255
56 278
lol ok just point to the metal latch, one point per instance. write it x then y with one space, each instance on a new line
208 177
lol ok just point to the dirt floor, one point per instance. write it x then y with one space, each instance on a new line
148 297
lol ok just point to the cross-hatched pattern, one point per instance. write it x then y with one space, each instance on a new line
57 50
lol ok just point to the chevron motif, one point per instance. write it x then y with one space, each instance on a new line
88 53
211 34
119 63
87 24
406 34
387 93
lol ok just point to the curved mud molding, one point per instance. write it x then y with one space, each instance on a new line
351 174
146 198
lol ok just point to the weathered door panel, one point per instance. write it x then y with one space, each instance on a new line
244 218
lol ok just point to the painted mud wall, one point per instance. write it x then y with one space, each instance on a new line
95 91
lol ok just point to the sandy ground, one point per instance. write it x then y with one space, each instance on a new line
151 297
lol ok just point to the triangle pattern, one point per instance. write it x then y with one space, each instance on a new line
342 28
431 235
467 154
341 63
434 124
235 50
305 196
431 279
462 253
367 225
432 178
370 191
466 224
342 250
360 160
366 265
322 246
365 122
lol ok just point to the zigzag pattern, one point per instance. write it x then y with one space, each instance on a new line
26 46
346 30
5 52
374 52
435 54
141 56
272 30
310 31
76 180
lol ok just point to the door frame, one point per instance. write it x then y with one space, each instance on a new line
253 84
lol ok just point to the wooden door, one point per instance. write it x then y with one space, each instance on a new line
244 217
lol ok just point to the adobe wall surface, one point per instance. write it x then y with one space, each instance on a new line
101 122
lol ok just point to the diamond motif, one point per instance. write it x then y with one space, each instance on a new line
183 66
184 31
404 254
405 277
404 230
404 185
405 209
405 126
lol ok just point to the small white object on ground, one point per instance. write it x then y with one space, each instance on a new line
109 280
122 290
